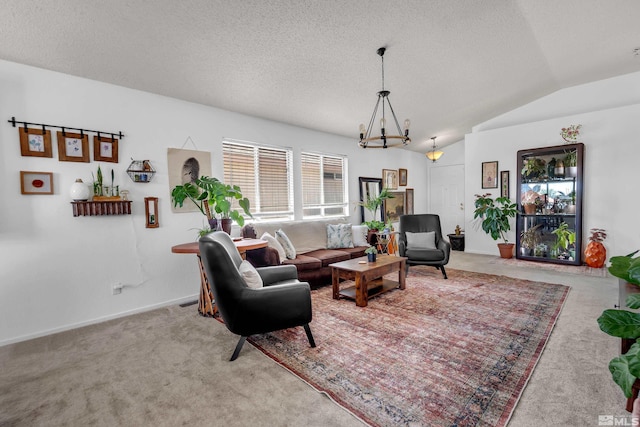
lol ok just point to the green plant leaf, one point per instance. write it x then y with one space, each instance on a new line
626 268
633 301
621 372
620 323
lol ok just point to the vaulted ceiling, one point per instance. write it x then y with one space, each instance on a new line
450 64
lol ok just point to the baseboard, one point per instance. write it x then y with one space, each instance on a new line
183 300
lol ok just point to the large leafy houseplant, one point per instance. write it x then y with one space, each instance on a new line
495 216
211 196
625 369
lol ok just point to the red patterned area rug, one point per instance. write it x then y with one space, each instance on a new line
454 352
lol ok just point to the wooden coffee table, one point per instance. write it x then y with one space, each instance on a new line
368 277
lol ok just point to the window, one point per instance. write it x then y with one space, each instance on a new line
264 176
323 185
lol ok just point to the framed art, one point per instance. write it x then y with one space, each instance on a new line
36 182
35 142
408 199
490 174
504 184
73 147
187 166
402 177
390 179
394 207
105 149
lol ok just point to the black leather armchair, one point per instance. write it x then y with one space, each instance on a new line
283 302
437 256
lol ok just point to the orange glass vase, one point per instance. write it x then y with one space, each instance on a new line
595 255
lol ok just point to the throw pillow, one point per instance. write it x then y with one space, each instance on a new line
250 275
288 247
273 243
421 240
360 235
339 236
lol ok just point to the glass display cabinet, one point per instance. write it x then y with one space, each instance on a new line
549 197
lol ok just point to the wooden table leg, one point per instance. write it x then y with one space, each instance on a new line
206 304
335 282
361 291
402 275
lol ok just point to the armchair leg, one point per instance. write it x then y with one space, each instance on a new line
307 329
444 273
234 356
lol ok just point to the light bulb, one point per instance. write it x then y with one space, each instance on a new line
362 128
382 123
407 123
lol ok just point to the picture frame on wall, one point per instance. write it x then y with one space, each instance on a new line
36 182
408 201
394 207
402 177
73 147
390 179
490 174
35 142
504 184
105 149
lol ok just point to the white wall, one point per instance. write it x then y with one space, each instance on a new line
57 270
610 133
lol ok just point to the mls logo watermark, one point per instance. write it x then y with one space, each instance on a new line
618 420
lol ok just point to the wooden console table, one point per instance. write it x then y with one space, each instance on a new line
206 306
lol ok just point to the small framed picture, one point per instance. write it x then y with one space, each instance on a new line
402 177
504 184
36 182
390 179
105 149
35 142
73 147
408 198
490 174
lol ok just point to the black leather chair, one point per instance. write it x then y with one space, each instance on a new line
438 256
283 302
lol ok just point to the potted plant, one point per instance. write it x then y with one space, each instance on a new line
565 238
571 164
625 369
533 168
495 216
372 204
371 252
212 196
529 239
595 253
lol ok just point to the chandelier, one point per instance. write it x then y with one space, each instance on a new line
383 140
434 155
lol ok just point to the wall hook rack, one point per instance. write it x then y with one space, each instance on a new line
13 121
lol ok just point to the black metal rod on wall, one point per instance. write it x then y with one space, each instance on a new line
13 121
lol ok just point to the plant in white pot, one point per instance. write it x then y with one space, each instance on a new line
495 216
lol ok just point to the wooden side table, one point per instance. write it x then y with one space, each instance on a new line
206 303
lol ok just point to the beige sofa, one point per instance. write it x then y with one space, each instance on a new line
310 241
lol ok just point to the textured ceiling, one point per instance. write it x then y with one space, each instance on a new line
450 64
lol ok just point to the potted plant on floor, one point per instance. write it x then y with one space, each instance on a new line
495 216
595 253
625 369
212 196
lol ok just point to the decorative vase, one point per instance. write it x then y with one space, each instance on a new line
595 255
559 169
571 171
226 225
529 208
371 257
506 250
79 191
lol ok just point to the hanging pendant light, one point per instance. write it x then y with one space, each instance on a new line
434 155
383 140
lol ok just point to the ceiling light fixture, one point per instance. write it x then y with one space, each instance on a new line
434 155
381 141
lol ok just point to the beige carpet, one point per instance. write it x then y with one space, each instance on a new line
169 367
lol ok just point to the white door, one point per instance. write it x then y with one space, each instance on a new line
446 189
